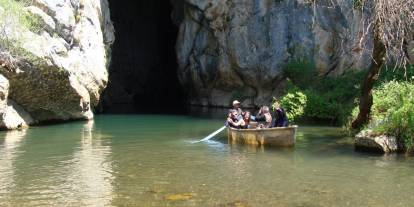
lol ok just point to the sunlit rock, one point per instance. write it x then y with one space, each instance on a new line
368 141
12 116
59 72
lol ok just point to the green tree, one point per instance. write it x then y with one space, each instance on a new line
392 25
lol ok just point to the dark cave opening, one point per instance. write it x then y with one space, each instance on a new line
143 70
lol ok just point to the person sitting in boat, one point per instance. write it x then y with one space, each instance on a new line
234 120
264 118
260 117
280 117
237 107
246 118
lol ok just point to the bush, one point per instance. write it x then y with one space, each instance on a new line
393 111
398 74
14 15
328 99
300 73
294 102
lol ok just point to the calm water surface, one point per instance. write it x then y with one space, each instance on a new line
148 160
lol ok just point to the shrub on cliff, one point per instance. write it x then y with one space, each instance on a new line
328 99
14 21
14 14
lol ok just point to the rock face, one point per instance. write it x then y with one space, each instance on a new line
231 47
12 116
366 141
59 70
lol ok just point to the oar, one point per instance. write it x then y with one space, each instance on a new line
212 134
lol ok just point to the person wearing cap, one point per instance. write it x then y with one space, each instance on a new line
237 107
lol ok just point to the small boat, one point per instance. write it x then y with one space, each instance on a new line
275 137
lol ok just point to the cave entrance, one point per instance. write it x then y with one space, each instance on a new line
143 70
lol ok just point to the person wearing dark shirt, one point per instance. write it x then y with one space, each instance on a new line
280 117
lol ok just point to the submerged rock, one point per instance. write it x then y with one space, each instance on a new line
59 71
180 197
368 141
237 203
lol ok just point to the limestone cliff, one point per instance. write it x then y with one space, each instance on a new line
58 71
238 46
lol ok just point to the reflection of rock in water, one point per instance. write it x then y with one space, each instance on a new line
87 131
90 171
8 152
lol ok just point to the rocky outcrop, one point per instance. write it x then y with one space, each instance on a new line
12 116
58 70
367 141
231 47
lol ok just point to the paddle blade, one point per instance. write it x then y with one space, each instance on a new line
212 134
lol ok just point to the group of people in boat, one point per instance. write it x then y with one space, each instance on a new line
265 118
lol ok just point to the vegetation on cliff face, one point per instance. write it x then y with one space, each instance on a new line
326 99
15 20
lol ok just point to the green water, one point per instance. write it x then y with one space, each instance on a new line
146 160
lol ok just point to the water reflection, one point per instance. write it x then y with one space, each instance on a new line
71 169
148 161
89 173
9 150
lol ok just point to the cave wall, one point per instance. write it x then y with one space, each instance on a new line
143 70
226 49
236 48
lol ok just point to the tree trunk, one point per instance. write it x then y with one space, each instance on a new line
366 99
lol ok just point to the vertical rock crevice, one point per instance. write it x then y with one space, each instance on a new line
143 70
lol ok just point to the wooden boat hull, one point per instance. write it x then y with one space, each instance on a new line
275 137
